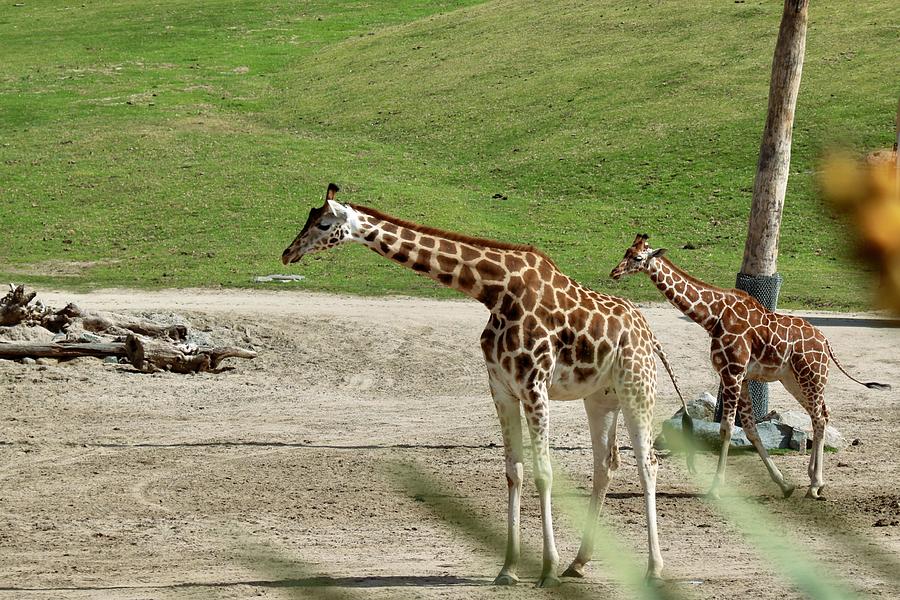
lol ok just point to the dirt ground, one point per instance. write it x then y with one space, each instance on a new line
287 471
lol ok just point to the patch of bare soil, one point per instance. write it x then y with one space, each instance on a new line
58 268
282 474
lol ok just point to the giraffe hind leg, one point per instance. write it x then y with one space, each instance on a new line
816 460
809 392
602 412
642 438
637 394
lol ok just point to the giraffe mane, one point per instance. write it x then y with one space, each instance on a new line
451 235
690 278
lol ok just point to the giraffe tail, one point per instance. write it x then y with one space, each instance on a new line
872 385
687 423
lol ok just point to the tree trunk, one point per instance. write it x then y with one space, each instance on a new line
758 275
897 139
761 249
897 149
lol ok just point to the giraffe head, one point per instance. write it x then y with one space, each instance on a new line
637 257
327 226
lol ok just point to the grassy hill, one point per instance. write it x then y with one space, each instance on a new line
182 143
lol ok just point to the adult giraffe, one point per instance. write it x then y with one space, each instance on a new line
547 337
748 342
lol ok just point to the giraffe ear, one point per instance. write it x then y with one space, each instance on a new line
331 191
337 209
657 252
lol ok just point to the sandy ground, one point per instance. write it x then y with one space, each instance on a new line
292 470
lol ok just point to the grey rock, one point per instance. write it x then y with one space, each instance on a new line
28 361
706 432
86 337
800 420
278 277
111 360
779 435
702 407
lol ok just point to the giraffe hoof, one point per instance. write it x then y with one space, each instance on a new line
713 494
548 581
574 570
506 579
815 494
787 490
655 581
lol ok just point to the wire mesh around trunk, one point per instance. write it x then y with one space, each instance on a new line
765 289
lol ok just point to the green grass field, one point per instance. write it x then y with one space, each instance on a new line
182 143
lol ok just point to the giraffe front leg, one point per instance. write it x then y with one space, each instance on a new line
509 414
731 390
537 413
602 412
748 420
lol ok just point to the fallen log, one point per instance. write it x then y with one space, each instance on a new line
122 326
63 319
18 350
153 355
147 356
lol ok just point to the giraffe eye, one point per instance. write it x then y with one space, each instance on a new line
323 226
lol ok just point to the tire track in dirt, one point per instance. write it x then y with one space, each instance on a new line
139 490
20 468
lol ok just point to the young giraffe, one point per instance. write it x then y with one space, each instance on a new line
547 337
748 342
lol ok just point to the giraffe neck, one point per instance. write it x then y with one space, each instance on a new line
477 271
699 301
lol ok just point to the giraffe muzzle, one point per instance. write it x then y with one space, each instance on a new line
289 256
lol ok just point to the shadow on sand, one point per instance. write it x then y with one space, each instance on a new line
301 582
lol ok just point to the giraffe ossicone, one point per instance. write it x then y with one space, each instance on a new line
748 341
547 337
